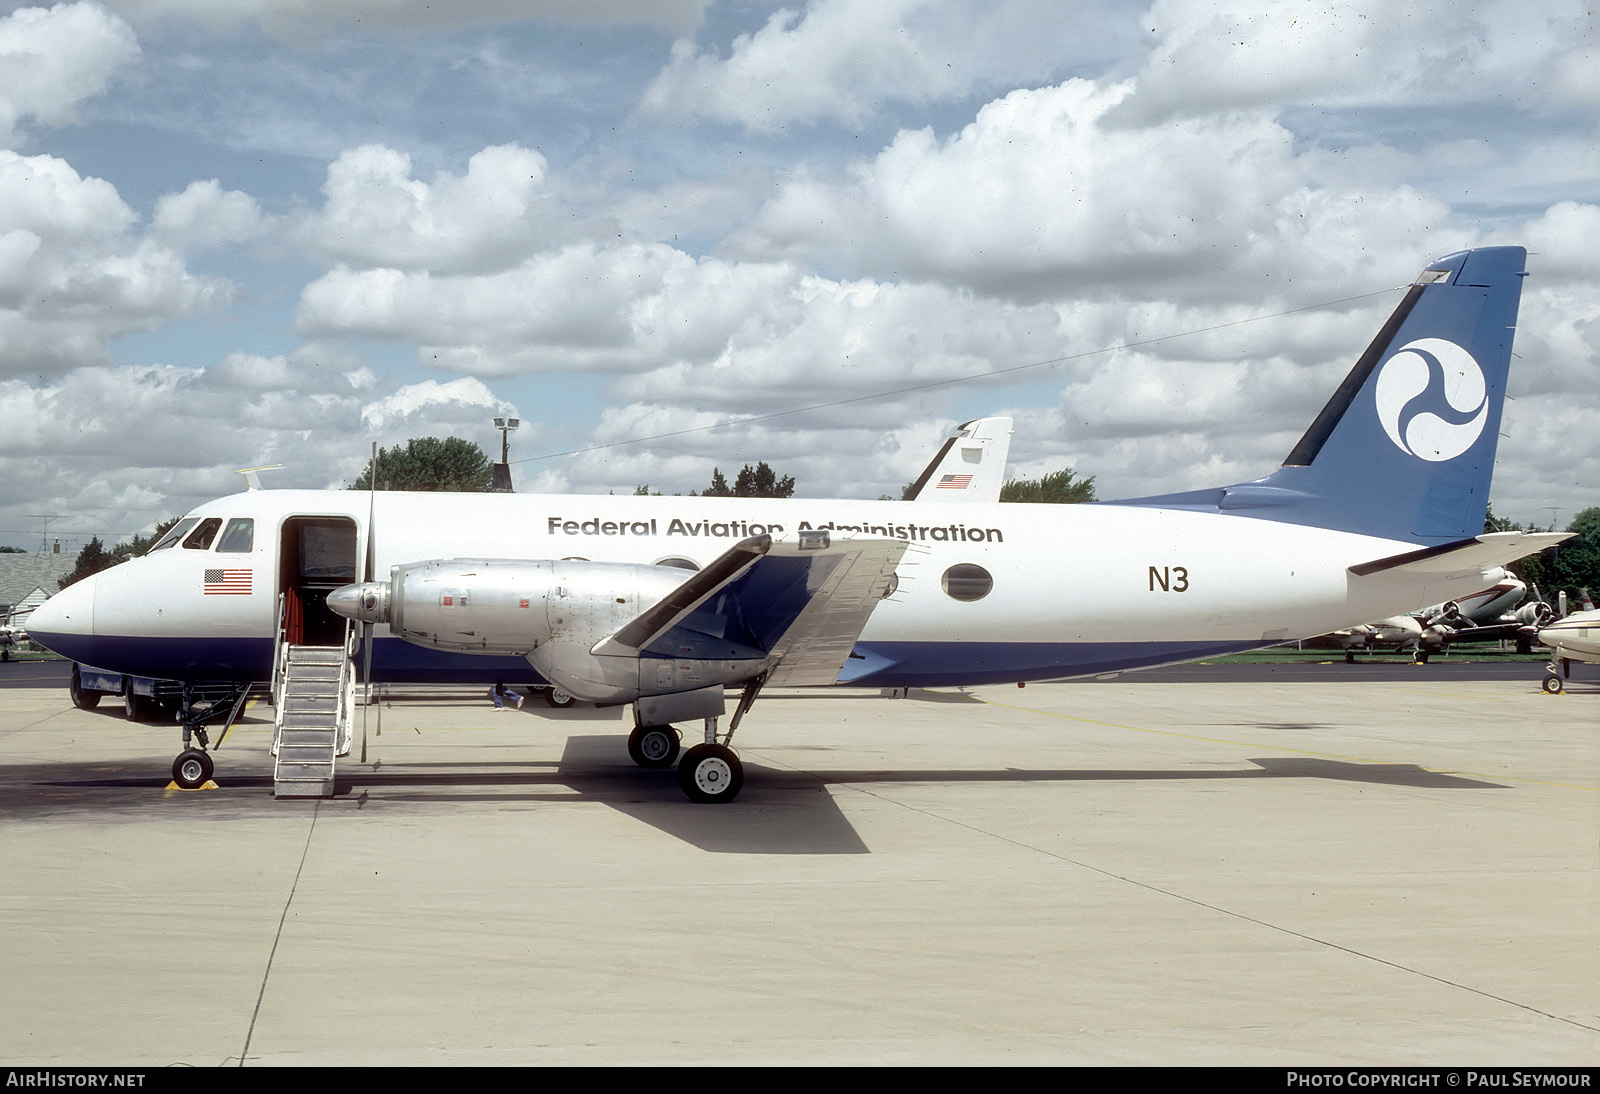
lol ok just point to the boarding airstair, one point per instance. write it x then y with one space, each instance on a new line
314 689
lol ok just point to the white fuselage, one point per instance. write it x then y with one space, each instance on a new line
1070 589
1575 637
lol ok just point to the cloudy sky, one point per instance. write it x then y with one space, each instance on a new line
274 231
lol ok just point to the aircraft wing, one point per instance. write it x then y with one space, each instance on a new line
802 605
1464 557
814 648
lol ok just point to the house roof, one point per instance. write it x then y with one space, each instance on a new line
20 575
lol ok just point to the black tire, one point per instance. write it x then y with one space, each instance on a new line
653 746
1552 684
137 707
710 774
192 769
83 700
558 698
1349 657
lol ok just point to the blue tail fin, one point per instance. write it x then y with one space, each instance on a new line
1405 448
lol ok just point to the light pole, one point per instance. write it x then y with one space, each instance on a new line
505 426
502 470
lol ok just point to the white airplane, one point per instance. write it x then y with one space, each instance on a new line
1575 637
1380 506
970 467
1476 617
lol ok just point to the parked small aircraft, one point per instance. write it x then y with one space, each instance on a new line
1483 616
1380 506
1575 637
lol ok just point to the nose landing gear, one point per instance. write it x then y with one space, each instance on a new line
194 766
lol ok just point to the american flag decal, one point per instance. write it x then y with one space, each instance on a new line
954 482
227 583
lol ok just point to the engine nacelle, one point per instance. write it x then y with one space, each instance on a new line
551 612
1534 615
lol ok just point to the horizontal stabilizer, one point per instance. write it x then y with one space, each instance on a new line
1463 557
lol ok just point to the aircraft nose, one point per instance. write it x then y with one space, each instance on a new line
64 624
367 602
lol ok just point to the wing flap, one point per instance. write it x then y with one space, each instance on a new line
813 650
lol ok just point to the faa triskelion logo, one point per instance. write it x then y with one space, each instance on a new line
1432 400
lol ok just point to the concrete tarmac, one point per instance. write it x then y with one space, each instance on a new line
1321 873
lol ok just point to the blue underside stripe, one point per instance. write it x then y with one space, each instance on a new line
873 664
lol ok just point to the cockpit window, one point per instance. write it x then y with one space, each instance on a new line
239 536
200 539
175 533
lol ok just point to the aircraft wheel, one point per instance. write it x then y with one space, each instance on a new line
192 769
1552 684
1422 657
710 774
558 698
653 746
1349 657
83 700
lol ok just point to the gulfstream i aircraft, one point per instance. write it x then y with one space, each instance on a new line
1378 508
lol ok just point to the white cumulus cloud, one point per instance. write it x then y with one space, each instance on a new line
52 59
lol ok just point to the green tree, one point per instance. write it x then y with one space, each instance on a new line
91 560
430 463
762 482
1058 487
1567 567
1576 563
759 481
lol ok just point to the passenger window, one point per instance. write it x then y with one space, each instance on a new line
239 536
175 533
967 581
200 539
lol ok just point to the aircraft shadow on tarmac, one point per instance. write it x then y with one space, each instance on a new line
780 812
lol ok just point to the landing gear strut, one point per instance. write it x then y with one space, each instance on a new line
710 773
193 767
1554 671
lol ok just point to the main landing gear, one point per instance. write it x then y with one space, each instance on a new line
710 772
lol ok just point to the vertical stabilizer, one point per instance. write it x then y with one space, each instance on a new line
970 467
1405 448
